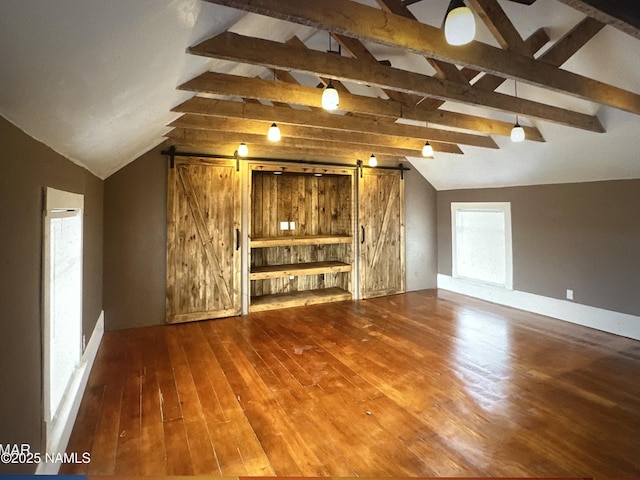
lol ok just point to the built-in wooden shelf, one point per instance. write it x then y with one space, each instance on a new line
315 259
296 269
266 242
297 299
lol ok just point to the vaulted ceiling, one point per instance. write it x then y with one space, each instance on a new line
102 82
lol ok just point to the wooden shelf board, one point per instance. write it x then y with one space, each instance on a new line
300 240
297 299
297 269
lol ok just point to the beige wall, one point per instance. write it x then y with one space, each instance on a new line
135 236
420 232
27 167
584 237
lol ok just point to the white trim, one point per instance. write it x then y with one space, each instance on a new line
59 199
58 204
606 320
62 424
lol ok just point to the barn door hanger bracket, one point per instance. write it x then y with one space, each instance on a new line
172 156
361 166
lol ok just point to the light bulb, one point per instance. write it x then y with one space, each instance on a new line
517 133
274 133
330 98
427 150
243 150
459 25
373 161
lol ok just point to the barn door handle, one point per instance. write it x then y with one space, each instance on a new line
362 236
237 239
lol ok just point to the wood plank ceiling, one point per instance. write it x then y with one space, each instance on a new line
405 110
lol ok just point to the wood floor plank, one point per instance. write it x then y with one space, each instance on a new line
236 444
152 444
128 448
177 452
107 433
219 425
273 427
298 401
84 433
201 450
425 384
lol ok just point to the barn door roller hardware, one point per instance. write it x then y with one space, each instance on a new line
361 166
172 153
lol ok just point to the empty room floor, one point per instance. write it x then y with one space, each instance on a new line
421 384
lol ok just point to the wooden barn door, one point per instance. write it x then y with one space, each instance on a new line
203 240
381 233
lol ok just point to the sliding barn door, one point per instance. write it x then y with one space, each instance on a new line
381 233
203 240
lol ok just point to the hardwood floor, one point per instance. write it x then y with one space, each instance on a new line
421 384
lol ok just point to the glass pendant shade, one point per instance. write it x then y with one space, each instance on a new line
330 98
427 150
373 161
243 150
459 24
274 133
517 133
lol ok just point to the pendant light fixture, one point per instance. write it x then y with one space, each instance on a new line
373 161
330 98
427 150
517 132
459 23
243 150
274 133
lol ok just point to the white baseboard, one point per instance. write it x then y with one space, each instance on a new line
606 320
60 430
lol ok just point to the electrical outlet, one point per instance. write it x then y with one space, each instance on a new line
284 225
292 225
569 294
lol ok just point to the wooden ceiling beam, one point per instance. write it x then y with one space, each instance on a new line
371 24
410 109
571 42
502 29
216 107
286 145
621 14
533 43
443 69
275 152
239 48
259 127
557 54
283 115
225 84
358 50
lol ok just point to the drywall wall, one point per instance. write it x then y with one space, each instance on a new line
582 236
420 232
27 167
135 237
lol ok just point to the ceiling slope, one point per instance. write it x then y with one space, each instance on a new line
102 82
